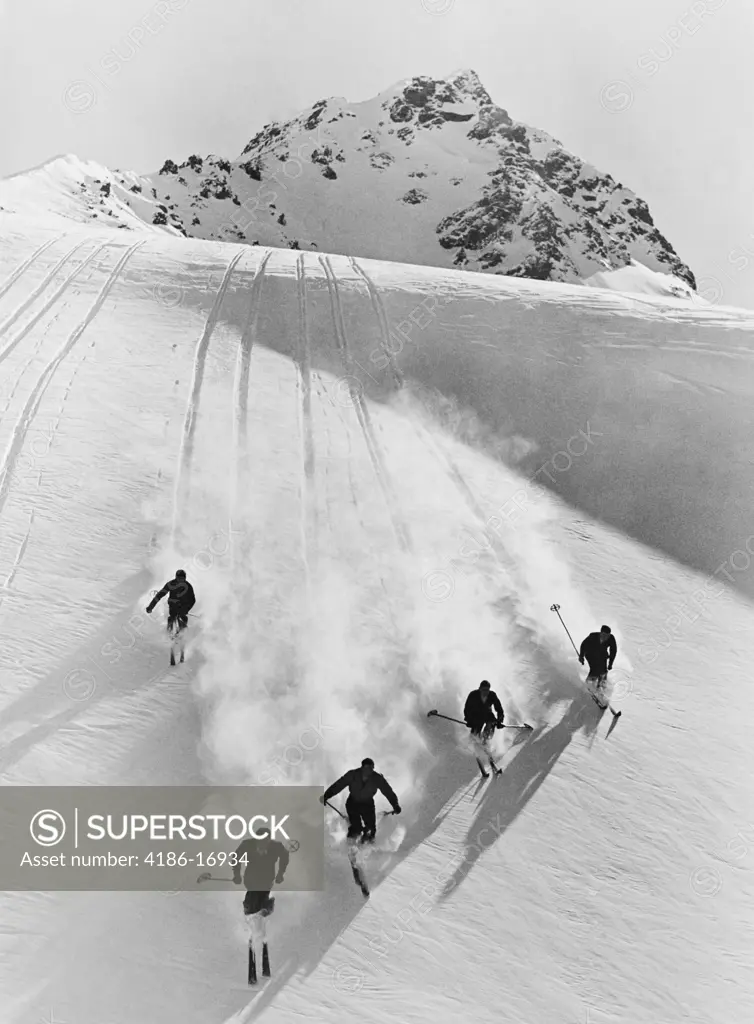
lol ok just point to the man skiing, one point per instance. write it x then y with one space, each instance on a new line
363 783
264 861
600 650
181 599
483 713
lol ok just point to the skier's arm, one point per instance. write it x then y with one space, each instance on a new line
499 707
467 708
612 650
384 787
157 597
190 601
283 858
337 787
239 866
582 649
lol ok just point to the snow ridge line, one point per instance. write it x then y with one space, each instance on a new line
362 412
32 404
309 524
183 480
10 281
243 369
51 301
40 287
379 308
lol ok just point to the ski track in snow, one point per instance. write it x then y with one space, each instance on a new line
594 880
361 409
23 422
183 479
5 352
41 287
309 527
23 267
243 368
379 309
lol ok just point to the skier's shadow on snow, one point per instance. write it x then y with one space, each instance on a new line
507 795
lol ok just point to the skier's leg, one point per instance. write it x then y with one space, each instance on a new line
476 739
487 734
256 943
354 818
369 817
251 916
171 628
182 626
593 685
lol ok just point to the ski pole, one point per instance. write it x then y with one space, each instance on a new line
207 877
437 714
335 809
431 714
556 608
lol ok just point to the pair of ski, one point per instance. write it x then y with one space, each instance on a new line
495 770
354 845
604 707
253 963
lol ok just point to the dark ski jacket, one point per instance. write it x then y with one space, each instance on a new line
363 791
266 860
597 654
478 714
181 597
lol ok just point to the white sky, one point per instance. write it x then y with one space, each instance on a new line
199 76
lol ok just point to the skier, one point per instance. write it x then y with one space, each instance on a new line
483 713
363 783
181 599
264 862
600 650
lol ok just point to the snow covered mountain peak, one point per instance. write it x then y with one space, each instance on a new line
430 171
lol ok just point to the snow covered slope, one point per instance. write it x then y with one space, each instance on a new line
378 478
430 172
